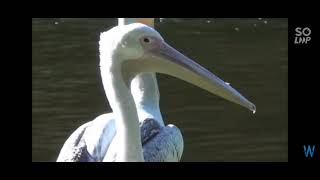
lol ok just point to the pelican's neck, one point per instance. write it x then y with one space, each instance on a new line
144 88
123 106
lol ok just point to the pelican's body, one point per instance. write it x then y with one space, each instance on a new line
135 131
91 142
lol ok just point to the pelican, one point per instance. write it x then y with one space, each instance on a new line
165 143
127 52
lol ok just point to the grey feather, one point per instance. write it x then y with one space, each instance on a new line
160 144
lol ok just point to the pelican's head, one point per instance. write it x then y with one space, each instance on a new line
128 42
137 48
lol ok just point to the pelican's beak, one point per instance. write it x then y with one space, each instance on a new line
169 61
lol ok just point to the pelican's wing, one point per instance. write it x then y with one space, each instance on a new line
160 144
166 146
74 149
90 141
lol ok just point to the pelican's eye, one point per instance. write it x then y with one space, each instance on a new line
146 40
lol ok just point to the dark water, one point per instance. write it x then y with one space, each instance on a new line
251 54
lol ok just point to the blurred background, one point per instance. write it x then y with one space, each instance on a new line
251 54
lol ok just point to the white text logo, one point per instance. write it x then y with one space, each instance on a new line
302 35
